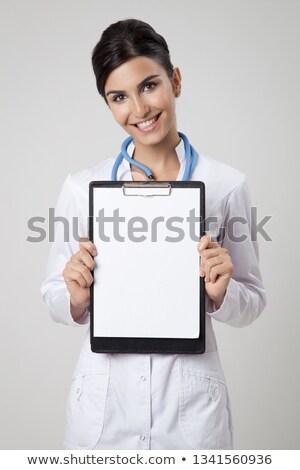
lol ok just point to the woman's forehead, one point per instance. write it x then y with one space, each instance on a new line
132 72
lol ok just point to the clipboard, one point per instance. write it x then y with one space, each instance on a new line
147 295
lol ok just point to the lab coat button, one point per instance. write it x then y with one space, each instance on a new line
142 437
143 378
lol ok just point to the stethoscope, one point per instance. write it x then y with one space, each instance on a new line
191 157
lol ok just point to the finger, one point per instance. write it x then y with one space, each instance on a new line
72 275
206 254
78 257
87 245
75 273
202 246
211 253
86 273
81 274
225 270
83 256
213 245
203 243
209 264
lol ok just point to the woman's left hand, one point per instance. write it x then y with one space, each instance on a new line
216 267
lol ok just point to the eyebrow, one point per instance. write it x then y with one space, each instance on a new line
140 84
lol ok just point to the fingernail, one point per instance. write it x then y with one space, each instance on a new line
94 252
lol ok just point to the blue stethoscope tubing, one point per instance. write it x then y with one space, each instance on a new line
191 158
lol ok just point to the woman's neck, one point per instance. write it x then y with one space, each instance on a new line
161 158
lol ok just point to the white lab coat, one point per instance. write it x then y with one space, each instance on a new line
156 401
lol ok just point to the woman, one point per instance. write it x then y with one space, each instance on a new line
152 401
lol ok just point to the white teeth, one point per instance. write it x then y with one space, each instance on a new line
147 123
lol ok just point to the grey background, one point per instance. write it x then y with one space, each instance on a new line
240 104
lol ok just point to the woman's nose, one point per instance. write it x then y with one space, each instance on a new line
140 109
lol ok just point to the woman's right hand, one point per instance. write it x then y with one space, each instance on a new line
78 277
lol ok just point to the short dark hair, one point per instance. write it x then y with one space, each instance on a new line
122 41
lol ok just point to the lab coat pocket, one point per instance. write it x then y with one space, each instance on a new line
204 415
87 404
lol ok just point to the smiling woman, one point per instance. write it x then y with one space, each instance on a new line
152 401
140 84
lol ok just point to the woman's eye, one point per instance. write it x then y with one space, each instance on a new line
116 98
150 84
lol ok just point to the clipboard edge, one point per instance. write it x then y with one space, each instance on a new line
200 346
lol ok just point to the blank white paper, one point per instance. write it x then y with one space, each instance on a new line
147 289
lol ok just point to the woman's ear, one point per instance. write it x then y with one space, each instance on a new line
176 81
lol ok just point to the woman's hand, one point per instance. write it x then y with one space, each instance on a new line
216 267
78 277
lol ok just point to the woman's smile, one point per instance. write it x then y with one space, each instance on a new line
149 125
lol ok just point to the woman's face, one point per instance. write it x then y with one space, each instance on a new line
139 91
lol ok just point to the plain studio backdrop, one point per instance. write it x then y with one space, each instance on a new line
239 61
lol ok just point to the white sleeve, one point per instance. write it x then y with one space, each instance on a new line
245 297
54 290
